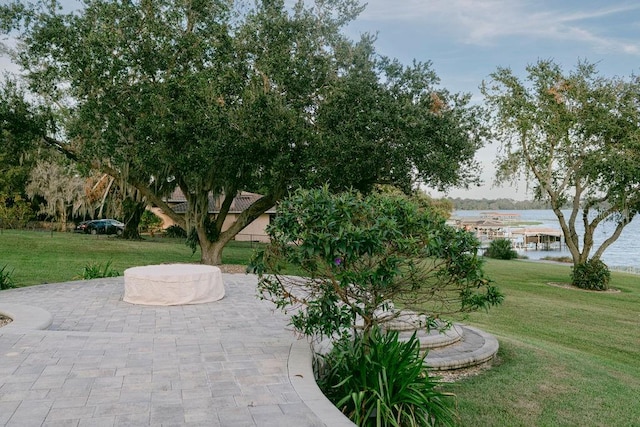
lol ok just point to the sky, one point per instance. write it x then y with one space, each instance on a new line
466 40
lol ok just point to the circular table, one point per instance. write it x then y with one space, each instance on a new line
173 284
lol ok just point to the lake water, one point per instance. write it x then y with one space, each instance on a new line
623 254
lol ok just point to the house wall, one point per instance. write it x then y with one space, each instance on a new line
254 232
166 220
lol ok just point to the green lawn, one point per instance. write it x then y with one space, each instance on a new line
45 257
567 357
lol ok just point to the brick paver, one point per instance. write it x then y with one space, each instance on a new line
106 362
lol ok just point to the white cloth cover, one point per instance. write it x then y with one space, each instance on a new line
173 284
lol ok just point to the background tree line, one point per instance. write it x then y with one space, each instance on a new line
497 204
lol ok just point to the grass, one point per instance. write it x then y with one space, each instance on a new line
567 357
45 257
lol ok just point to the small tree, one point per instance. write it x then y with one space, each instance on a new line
14 211
576 135
150 222
359 253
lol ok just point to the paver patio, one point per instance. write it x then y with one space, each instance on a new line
106 362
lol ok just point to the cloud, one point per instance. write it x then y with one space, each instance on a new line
487 22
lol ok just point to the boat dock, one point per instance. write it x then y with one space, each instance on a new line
489 226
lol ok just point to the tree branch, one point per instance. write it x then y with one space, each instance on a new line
147 193
229 195
619 227
250 214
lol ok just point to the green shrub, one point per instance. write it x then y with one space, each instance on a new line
150 222
593 274
15 212
6 281
501 249
175 231
98 271
377 380
356 253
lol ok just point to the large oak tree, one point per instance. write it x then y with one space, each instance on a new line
576 135
217 97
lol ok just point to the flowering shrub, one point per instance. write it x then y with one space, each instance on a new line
358 256
357 253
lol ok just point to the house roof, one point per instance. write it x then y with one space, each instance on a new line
539 231
240 203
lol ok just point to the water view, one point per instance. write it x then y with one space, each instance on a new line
624 254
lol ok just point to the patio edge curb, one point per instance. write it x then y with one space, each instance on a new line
25 318
300 369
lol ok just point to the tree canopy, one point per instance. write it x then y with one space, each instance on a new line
19 125
218 97
577 136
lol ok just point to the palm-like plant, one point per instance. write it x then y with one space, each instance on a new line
378 380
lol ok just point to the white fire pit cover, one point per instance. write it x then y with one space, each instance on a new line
173 284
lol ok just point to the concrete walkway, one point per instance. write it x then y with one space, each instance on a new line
102 361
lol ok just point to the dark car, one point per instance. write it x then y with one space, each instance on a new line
104 226
82 227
